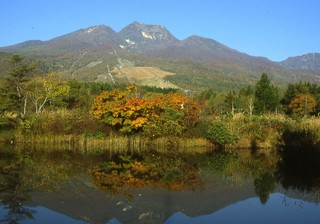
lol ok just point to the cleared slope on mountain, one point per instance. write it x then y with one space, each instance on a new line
148 76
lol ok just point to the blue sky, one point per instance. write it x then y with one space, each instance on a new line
275 29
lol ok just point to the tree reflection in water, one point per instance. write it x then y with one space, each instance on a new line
242 165
299 167
12 192
264 186
179 172
24 171
296 165
137 171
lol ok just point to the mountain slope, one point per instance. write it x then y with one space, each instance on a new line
92 37
96 37
21 46
307 62
197 62
208 50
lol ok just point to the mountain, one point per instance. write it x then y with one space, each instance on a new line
98 52
145 38
307 62
207 50
91 38
23 45
95 37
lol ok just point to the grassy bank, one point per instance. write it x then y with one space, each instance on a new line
263 131
76 130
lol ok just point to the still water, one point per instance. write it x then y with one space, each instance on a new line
222 187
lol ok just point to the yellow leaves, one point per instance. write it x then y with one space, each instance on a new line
115 114
41 89
131 87
139 122
10 115
139 167
116 121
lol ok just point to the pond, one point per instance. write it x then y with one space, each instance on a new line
240 186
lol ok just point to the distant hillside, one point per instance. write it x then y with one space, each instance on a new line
307 62
92 54
5 64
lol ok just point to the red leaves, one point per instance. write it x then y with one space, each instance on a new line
120 109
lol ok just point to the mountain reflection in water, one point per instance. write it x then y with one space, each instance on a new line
278 209
221 187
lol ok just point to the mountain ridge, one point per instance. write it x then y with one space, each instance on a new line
120 38
306 62
75 54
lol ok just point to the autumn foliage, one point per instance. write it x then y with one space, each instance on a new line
126 172
303 104
154 114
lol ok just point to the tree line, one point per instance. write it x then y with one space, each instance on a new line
152 111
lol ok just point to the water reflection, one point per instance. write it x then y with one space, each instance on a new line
123 173
278 209
12 192
154 187
299 167
23 171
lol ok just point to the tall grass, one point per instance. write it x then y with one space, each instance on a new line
76 130
113 143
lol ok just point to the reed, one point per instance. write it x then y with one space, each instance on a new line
112 144
89 136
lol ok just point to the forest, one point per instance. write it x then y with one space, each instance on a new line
36 106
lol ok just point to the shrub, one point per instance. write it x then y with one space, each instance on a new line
219 134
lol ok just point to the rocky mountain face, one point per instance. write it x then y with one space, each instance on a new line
145 38
307 62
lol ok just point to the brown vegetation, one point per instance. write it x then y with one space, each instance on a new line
149 76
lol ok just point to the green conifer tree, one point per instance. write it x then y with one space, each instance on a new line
266 96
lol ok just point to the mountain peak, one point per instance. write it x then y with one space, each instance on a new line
83 39
144 26
147 36
97 28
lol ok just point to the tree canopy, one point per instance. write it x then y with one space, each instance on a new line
155 114
266 95
42 89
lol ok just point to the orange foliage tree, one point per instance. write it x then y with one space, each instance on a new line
303 104
154 114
